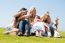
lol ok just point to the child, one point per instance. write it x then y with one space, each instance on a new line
38 27
56 34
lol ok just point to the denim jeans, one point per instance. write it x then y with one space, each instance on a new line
51 30
24 26
8 29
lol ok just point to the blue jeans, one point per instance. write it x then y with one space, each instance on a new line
8 29
52 31
24 26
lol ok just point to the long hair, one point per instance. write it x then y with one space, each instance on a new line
45 17
32 14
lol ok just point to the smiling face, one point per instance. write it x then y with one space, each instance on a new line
45 17
32 12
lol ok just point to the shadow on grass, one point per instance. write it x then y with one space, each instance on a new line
61 37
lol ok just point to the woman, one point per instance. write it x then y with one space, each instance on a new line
52 25
32 14
27 19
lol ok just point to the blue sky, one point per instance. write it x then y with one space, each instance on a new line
9 7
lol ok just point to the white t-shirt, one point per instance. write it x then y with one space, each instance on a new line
38 26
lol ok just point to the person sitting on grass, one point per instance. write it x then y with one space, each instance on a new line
27 19
31 16
38 27
23 22
52 25
15 23
12 27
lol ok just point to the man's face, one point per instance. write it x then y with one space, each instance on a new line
24 13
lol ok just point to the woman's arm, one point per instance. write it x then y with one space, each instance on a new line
47 27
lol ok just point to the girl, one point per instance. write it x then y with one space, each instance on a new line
56 34
38 27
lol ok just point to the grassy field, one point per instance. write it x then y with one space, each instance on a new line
31 39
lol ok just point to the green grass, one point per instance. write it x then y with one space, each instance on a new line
31 39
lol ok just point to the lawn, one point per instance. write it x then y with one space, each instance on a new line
31 39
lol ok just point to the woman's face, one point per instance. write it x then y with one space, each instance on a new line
33 12
45 16
23 13
48 20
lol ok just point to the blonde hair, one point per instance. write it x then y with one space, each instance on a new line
45 17
32 13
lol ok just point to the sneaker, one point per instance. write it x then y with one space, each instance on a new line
26 34
20 34
49 34
56 34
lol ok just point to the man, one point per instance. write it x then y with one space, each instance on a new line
23 24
